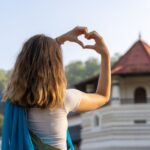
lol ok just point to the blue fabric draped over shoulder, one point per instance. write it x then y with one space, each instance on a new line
15 133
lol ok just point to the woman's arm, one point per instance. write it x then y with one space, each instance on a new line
92 101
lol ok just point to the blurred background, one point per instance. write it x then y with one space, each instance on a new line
124 123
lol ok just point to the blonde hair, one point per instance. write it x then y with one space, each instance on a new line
38 78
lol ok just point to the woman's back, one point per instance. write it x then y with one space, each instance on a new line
51 126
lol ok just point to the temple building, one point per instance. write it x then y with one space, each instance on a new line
124 123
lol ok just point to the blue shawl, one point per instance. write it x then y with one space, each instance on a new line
15 133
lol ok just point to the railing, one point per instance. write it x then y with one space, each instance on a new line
123 126
129 100
119 115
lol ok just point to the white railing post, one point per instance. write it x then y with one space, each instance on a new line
115 99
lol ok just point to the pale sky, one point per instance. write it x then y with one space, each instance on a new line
118 21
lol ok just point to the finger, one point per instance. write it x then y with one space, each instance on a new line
93 35
89 46
82 30
79 42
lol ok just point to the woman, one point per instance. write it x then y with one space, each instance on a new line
38 83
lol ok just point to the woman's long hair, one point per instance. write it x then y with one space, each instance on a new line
38 78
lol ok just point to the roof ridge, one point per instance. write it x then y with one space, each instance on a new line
145 45
126 53
141 48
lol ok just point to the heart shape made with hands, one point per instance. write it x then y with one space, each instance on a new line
86 41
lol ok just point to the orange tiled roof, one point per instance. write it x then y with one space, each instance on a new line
135 60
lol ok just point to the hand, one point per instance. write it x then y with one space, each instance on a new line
72 35
99 45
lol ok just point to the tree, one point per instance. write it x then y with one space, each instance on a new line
74 72
115 58
78 71
3 81
92 67
8 74
1 124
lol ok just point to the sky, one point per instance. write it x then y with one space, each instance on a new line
119 22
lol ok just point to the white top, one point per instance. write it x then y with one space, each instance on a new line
51 127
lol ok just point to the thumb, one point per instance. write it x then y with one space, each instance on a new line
89 46
79 42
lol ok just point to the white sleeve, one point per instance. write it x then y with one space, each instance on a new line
73 98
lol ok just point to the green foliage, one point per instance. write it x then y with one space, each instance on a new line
1 124
8 74
74 72
92 67
78 71
3 81
3 77
115 58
